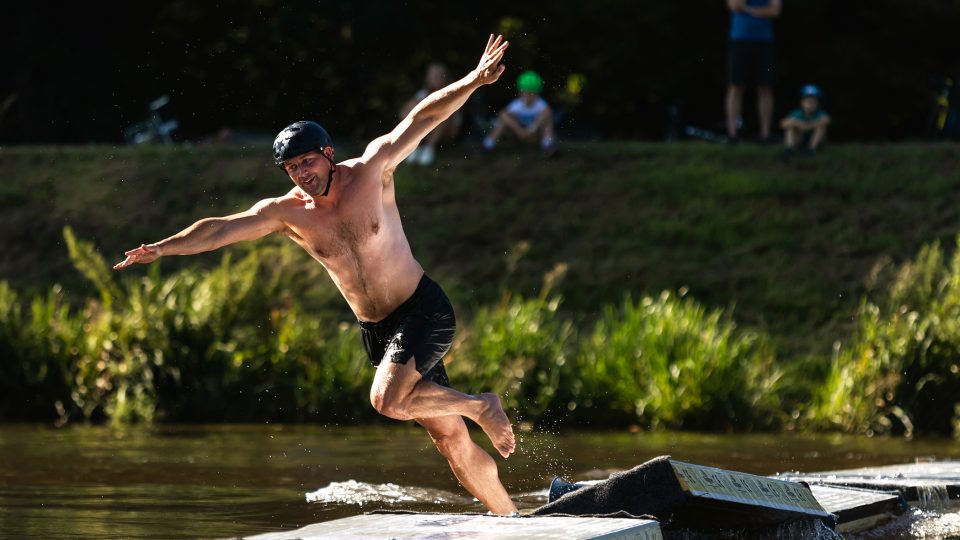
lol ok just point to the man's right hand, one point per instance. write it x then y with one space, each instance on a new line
142 255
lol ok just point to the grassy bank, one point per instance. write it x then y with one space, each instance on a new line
792 246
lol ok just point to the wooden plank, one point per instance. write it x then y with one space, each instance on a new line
441 526
858 509
747 489
929 485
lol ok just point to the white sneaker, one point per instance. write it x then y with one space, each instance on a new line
427 155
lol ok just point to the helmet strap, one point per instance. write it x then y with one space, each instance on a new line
333 167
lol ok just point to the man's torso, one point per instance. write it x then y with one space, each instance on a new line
356 234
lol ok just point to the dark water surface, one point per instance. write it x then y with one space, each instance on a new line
229 480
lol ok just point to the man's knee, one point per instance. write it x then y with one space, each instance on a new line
387 403
451 444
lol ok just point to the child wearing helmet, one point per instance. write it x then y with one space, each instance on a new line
805 126
528 116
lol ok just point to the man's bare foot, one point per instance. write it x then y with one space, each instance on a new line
496 425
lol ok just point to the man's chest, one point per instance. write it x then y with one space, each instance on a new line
344 227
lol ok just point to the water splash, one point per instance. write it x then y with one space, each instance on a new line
812 529
934 525
917 523
933 497
361 493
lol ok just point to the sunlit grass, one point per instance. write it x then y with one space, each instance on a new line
671 362
900 372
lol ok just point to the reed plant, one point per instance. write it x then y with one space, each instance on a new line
522 349
262 336
901 370
667 361
230 343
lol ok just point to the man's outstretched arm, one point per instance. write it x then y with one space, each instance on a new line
393 147
209 234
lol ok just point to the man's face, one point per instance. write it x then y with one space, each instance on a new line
528 97
309 171
810 104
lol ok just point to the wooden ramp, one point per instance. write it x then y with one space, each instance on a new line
858 510
440 526
926 485
691 497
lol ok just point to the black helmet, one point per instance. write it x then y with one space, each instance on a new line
299 138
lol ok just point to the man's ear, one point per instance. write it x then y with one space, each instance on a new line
328 151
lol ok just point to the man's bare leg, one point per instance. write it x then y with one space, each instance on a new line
399 392
474 468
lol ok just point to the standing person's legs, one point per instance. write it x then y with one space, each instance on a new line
738 64
401 393
733 105
764 64
474 468
765 110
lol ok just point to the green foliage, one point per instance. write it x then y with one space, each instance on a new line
36 346
671 362
519 349
901 371
231 343
257 338
789 245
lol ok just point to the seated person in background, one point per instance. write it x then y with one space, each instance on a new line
805 126
528 116
437 77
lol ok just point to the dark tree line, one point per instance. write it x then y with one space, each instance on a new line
81 72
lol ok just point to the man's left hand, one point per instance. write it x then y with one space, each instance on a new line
490 68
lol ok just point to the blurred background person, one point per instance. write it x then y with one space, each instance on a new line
751 61
528 116
436 78
805 126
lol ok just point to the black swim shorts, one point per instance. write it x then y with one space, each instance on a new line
751 62
422 328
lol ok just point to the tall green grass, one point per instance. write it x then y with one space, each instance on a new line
230 343
236 342
901 370
670 362
262 337
522 349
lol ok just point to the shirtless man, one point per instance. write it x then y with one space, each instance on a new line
345 216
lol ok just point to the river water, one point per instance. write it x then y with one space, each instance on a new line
175 481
